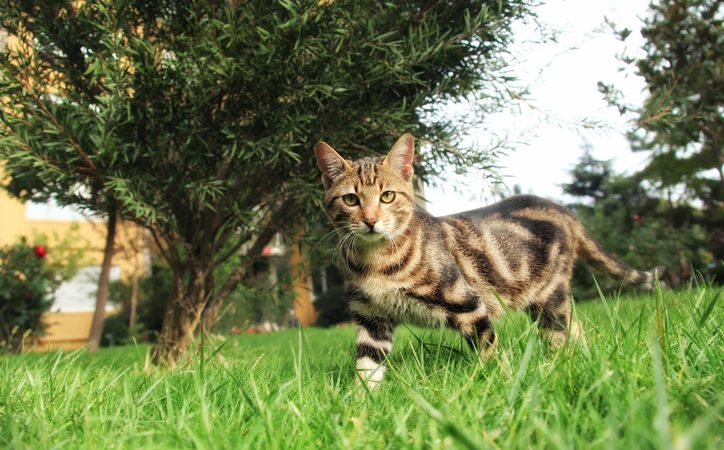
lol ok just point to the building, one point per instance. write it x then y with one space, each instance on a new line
70 316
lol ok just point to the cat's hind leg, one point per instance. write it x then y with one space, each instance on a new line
486 341
477 329
554 318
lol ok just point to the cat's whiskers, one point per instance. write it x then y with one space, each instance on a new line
329 235
338 248
352 244
352 247
352 239
342 250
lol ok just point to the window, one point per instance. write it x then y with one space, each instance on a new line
52 211
79 293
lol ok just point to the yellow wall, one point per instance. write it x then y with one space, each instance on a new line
70 330
130 241
303 306
67 330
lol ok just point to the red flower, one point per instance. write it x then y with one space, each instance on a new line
40 251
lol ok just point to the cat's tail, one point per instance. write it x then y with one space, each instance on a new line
602 259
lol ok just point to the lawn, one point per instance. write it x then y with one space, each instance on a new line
650 376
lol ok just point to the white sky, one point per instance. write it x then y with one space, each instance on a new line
562 79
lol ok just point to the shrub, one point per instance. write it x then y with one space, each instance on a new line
27 285
154 292
332 307
250 305
115 331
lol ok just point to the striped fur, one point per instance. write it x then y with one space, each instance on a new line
455 270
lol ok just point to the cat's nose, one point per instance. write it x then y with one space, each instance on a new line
370 223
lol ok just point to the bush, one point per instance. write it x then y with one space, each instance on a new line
269 300
249 306
265 296
630 217
27 285
153 294
115 331
332 307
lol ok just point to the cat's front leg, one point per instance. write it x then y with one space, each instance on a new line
373 344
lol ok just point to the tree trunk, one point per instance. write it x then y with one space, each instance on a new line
94 340
193 291
133 304
721 175
135 280
183 314
211 314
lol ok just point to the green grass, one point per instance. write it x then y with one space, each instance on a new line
650 376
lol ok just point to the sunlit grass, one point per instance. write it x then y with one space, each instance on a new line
650 375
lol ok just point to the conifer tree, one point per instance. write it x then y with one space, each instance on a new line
197 119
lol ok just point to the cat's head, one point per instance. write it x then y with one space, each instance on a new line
371 197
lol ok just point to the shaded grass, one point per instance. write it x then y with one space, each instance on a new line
649 376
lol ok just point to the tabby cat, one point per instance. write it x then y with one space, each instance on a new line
405 265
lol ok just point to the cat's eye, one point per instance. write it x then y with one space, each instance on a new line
350 199
387 196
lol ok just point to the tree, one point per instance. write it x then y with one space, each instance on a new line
589 175
682 121
682 70
198 117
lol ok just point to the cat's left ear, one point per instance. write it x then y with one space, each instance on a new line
400 156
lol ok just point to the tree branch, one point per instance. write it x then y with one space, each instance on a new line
267 233
40 104
170 255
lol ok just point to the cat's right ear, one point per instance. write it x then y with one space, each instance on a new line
399 159
330 163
